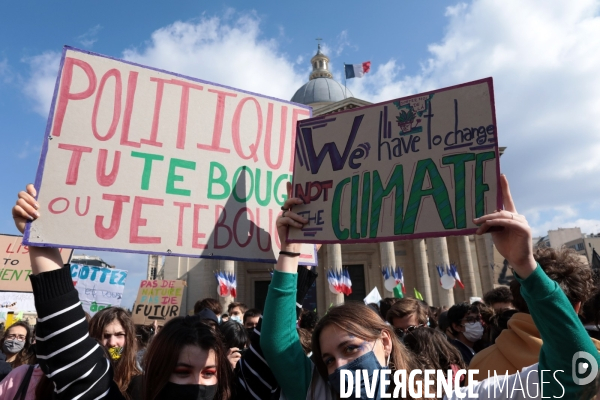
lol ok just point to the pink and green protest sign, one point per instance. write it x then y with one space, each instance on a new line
158 300
142 160
415 167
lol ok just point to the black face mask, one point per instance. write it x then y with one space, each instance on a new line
187 392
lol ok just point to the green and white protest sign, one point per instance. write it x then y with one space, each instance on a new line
415 167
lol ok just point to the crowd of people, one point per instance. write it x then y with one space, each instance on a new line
548 315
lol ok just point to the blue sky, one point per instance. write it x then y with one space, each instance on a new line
542 54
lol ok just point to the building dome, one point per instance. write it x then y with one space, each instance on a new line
321 88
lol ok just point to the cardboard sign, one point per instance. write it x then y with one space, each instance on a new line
17 302
15 266
98 287
141 160
158 300
420 166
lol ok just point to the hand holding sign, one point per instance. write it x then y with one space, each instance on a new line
289 218
514 241
26 209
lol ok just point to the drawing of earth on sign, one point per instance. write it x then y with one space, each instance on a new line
410 111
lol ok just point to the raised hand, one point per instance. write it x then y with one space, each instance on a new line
26 208
43 259
513 240
289 218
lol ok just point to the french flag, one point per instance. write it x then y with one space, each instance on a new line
454 274
357 70
223 284
232 284
346 283
399 275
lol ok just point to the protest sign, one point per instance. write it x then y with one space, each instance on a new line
98 287
141 160
16 301
16 267
420 166
158 300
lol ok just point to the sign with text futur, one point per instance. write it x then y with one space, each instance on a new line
142 160
98 287
415 167
15 266
158 300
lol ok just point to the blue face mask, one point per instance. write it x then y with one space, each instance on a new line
367 361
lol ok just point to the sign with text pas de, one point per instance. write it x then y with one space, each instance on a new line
15 266
142 160
420 166
158 300
98 287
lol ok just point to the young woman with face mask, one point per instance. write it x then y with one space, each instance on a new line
351 336
114 329
16 344
341 346
185 360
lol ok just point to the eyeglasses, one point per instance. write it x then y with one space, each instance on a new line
403 331
18 337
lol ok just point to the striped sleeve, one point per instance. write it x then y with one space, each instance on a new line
255 381
67 354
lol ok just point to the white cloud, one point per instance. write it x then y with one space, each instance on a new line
90 37
543 56
39 86
230 52
338 45
5 72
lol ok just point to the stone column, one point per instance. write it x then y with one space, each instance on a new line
225 266
484 265
440 257
421 271
466 265
387 256
334 260
489 251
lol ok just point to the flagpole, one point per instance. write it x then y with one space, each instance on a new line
345 90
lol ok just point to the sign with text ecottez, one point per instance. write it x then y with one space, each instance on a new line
137 159
98 287
415 167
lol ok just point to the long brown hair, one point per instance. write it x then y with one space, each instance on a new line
433 350
25 356
163 353
362 322
126 367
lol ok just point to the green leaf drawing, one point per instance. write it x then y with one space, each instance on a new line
406 116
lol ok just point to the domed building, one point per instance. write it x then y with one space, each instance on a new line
474 256
321 92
